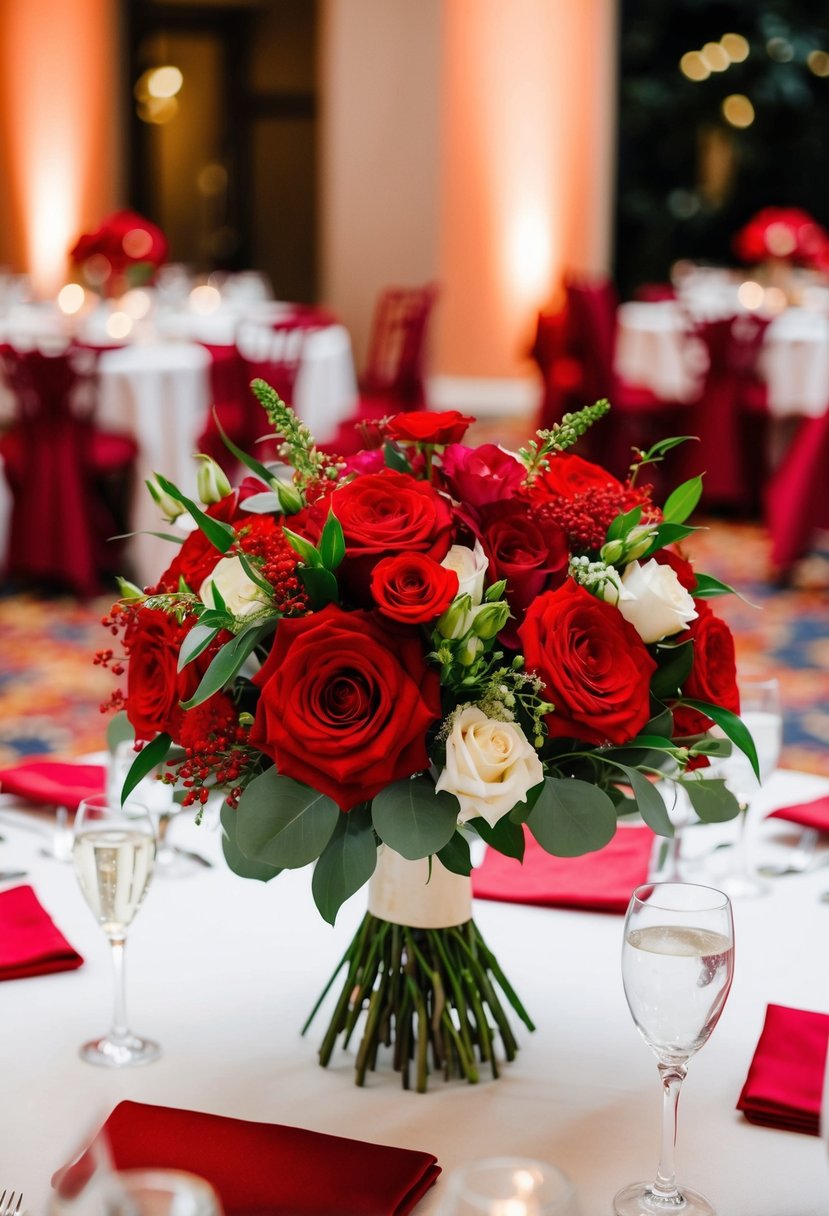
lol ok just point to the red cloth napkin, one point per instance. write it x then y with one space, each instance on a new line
785 1080
30 941
600 882
267 1167
814 814
53 782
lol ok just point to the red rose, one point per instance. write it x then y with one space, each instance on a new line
713 676
197 557
681 567
153 641
413 588
529 552
568 475
345 704
595 668
477 476
382 514
423 426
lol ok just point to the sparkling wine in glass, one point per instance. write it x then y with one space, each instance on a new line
677 968
760 710
113 852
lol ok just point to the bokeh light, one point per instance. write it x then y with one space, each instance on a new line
71 299
694 66
738 110
119 325
736 47
751 295
715 57
818 63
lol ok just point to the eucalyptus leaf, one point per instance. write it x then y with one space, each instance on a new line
119 730
711 799
455 855
413 818
346 863
572 817
649 801
151 755
506 837
236 860
284 823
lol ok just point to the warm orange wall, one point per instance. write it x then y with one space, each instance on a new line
58 128
528 95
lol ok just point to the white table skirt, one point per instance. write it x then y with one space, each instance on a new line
655 349
222 972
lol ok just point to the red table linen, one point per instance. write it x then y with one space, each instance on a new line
53 782
599 882
258 1168
30 941
785 1080
814 814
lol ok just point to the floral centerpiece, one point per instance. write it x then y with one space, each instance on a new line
125 251
383 658
778 238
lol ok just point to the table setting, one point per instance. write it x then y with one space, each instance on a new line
336 671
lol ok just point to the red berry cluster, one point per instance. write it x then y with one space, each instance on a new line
263 539
585 518
223 755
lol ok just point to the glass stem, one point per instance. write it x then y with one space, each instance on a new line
120 1030
741 844
672 1077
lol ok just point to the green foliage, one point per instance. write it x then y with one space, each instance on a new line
572 817
283 823
413 818
236 860
346 862
151 755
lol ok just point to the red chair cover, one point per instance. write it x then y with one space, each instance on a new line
395 364
797 502
55 460
727 455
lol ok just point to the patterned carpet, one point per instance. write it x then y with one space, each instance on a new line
50 692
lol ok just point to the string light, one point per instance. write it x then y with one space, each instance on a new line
715 56
738 110
736 47
818 63
694 66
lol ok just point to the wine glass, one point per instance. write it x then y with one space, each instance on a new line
113 852
677 967
508 1186
157 797
136 1192
760 710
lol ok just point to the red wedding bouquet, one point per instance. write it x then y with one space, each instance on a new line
415 647
125 251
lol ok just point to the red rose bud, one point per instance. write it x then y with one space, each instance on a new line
477 476
423 426
413 588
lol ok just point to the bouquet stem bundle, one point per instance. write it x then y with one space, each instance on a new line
432 994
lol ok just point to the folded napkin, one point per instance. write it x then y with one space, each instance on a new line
601 882
785 1081
814 814
265 1167
30 941
53 782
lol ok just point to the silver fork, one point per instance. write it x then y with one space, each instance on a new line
8 1206
800 859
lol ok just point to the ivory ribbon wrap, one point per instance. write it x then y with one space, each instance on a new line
401 892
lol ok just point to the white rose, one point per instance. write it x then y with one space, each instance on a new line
240 593
470 565
490 766
656 603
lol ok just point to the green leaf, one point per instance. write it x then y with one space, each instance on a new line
712 799
572 817
176 540
195 643
455 856
664 445
220 534
152 754
733 726
346 863
309 553
708 745
249 461
673 671
254 575
682 501
235 858
119 730
667 534
661 721
649 801
284 823
506 837
227 662
265 503
707 585
332 542
321 586
413 818
622 524
394 458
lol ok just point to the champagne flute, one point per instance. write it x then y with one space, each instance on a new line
113 852
508 1186
677 967
761 711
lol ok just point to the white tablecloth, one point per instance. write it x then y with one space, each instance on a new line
655 349
223 972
